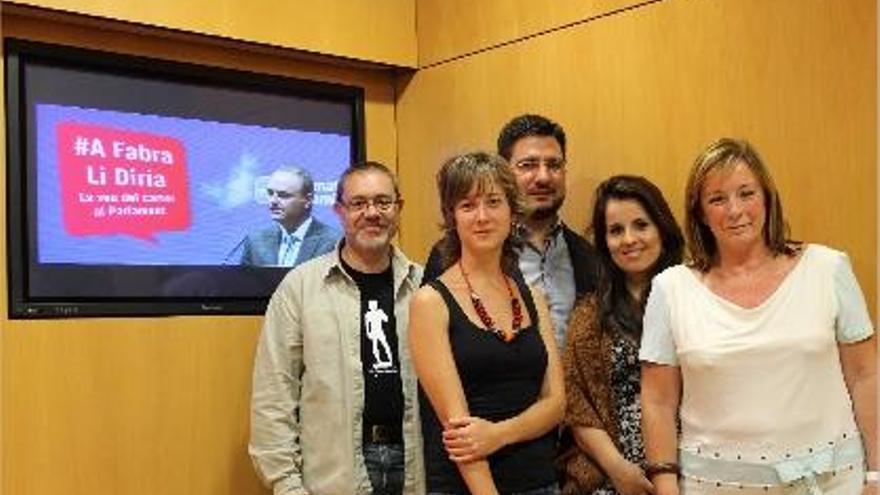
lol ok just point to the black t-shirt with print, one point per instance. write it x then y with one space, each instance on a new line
383 393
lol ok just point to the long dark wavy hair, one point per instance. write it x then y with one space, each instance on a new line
616 308
456 178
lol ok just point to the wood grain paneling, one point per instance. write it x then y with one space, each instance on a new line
645 90
451 28
373 30
144 406
159 405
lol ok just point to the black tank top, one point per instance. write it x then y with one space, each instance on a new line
500 380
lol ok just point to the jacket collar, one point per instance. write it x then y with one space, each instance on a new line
403 269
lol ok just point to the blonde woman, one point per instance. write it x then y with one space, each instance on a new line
762 347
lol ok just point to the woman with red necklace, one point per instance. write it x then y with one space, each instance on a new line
482 345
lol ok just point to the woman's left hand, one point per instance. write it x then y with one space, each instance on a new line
471 439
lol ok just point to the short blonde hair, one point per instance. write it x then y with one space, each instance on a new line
724 154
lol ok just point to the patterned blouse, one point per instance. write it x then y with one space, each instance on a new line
602 391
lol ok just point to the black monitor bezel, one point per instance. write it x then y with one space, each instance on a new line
20 190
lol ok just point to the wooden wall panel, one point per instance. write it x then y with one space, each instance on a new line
373 30
644 90
451 28
143 406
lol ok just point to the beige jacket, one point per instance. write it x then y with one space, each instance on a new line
308 385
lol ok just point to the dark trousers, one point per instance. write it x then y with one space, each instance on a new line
545 490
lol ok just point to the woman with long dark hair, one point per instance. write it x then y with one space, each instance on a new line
636 237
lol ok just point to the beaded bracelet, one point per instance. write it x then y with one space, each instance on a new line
654 468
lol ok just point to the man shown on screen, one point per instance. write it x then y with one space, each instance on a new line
296 235
334 401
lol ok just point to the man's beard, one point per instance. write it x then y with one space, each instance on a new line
375 243
545 212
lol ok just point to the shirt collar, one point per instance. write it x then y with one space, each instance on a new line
405 270
522 231
299 234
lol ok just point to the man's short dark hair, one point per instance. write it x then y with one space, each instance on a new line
525 126
365 167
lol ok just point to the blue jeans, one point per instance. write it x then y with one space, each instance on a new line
544 490
385 467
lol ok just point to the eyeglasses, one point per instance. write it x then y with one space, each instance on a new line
532 165
382 204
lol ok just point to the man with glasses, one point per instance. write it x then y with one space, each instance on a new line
334 396
553 258
295 236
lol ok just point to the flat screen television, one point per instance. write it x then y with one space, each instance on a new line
134 185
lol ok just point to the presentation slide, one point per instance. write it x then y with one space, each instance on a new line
117 188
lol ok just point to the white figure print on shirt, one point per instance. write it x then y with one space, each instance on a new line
374 320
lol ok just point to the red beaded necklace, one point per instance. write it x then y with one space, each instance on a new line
487 320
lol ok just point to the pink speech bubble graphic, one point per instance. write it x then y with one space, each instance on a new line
121 182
